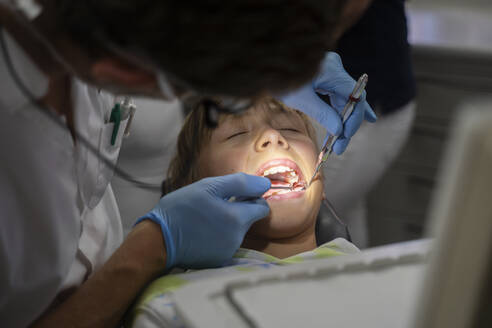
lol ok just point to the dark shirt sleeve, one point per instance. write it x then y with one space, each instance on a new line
377 45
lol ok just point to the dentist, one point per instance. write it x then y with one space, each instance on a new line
63 261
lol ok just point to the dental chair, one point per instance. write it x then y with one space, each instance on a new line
329 228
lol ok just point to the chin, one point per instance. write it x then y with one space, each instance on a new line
290 216
285 221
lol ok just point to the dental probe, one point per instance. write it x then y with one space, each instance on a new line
346 112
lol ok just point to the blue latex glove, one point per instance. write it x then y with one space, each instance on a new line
334 81
201 228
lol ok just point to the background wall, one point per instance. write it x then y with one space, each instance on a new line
452 53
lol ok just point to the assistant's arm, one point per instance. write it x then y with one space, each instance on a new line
104 298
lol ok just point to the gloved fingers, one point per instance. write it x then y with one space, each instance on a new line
239 185
338 84
340 145
251 210
362 111
308 102
334 81
351 126
354 122
328 117
333 59
369 114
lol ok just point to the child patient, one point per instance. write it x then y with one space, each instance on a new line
269 140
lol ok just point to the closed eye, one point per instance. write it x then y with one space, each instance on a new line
236 134
290 129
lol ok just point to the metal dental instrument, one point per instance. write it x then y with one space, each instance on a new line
346 112
328 147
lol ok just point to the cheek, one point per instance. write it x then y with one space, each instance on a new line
307 150
222 161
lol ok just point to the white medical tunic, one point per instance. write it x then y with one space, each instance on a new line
59 221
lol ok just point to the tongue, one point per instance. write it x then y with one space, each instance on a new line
276 183
279 179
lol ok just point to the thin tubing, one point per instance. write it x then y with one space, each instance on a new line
56 119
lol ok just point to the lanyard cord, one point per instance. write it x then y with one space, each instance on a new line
56 119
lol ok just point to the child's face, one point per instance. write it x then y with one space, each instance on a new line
263 142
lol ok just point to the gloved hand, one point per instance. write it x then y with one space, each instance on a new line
334 81
201 228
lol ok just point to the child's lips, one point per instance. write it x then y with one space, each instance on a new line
276 194
279 162
283 173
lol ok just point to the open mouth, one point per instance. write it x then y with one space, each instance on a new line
282 173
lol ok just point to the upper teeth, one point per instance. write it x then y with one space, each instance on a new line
279 169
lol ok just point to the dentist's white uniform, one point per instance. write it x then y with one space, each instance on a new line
59 221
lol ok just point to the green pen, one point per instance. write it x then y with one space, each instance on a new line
115 118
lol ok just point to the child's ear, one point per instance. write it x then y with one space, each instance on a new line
112 70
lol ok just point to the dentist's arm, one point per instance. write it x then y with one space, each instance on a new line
193 227
104 298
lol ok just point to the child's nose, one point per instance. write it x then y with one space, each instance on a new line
271 138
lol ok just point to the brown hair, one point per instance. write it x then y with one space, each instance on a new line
236 48
196 133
